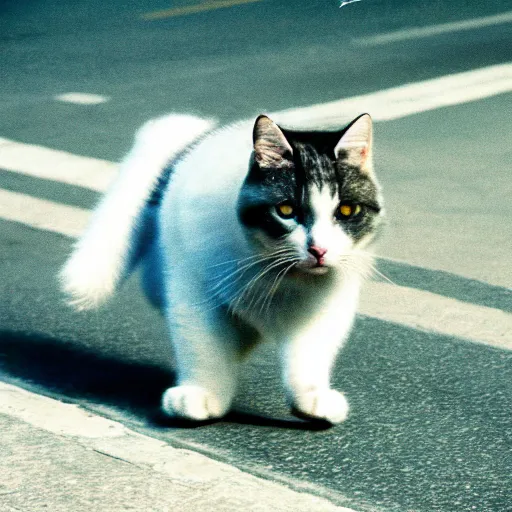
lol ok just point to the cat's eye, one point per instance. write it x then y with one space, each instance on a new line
285 210
347 211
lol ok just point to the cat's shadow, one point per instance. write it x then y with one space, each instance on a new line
132 389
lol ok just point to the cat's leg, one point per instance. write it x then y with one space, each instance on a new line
208 350
308 358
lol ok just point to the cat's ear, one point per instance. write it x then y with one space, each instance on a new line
355 145
271 149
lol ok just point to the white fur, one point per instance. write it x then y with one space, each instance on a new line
101 255
205 264
326 231
201 231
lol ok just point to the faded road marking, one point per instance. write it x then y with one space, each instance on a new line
193 9
82 98
433 30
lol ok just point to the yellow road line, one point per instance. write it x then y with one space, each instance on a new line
192 9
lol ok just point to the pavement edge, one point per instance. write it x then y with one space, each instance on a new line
174 466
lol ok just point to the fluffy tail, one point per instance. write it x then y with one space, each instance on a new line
101 257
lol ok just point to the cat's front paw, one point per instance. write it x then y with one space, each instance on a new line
191 403
324 404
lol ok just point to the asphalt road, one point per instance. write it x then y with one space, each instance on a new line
430 427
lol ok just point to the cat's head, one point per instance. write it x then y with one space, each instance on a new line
311 197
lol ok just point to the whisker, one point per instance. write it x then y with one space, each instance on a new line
370 257
225 282
247 258
216 292
274 287
252 283
264 295
386 278
357 263
242 269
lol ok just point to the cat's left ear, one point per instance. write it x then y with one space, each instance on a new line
355 145
271 149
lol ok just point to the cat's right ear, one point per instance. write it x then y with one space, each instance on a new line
271 149
355 146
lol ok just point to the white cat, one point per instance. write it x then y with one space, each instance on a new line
245 233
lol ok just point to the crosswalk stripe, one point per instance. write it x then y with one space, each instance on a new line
51 164
431 312
43 214
406 100
389 104
406 306
434 30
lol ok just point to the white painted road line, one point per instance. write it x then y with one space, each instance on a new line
434 30
405 100
43 214
405 306
436 313
394 103
50 164
82 98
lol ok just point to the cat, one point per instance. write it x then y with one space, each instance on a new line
244 233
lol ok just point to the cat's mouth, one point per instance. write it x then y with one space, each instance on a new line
299 271
317 271
312 266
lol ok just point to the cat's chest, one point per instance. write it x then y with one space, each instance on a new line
288 304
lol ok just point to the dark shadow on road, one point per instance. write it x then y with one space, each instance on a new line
76 373
53 367
160 420
248 418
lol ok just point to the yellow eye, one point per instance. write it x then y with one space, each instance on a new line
285 210
349 210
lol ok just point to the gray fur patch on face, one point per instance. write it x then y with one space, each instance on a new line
318 168
346 182
311 162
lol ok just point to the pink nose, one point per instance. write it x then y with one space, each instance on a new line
318 253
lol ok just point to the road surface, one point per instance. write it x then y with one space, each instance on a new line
428 367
